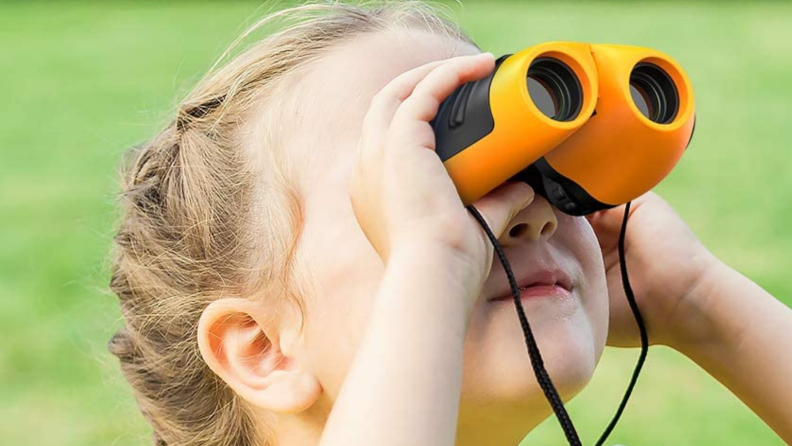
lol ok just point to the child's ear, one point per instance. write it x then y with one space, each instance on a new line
243 347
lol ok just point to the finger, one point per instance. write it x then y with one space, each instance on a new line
422 105
611 219
385 103
380 113
606 225
500 206
427 95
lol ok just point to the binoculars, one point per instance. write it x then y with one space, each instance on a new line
588 126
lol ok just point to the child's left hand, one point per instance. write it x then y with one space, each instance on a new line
697 305
665 262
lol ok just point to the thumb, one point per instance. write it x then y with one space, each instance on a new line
501 205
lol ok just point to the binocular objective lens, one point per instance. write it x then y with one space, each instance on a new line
554 89
654 93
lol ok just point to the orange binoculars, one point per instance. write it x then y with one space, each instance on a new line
588 126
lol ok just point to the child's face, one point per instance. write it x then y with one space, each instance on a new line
498 382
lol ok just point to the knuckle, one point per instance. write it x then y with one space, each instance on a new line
421 105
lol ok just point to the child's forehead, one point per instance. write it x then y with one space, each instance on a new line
369 61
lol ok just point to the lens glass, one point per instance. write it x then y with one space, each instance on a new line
542 96
654 93
554 89
641 100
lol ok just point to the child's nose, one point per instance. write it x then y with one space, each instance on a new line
536 221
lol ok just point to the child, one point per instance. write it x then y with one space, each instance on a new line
296 268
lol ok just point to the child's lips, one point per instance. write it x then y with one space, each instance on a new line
537 291
549 282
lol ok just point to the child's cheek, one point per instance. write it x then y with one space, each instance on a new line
578 238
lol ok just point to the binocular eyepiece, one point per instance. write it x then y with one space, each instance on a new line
654 93
588 126
554 89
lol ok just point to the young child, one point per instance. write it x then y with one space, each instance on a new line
296 268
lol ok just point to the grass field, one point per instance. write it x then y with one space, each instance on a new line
82 81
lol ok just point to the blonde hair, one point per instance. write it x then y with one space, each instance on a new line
188 233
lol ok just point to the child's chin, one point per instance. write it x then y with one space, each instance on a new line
506 394
506 374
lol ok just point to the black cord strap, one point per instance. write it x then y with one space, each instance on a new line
542 377
628 291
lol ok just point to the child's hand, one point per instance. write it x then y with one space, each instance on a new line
665 263
696 304
401 193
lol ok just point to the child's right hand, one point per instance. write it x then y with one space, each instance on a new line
401 193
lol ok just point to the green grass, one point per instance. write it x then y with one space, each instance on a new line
83 81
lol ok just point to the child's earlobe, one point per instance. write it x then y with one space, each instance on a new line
242 347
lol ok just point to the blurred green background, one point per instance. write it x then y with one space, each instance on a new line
83 81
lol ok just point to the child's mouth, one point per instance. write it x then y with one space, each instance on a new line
544 283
